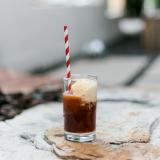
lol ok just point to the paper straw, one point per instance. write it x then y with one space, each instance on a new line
68 73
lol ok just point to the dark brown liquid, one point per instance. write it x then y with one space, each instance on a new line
79 116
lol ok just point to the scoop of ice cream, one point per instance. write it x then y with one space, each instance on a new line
86 89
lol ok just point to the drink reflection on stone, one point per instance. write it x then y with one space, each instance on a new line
79 107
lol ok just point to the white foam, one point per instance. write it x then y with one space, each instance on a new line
86 89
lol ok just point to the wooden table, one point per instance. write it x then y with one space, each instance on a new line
128 128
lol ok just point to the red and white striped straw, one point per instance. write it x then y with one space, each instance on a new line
68 73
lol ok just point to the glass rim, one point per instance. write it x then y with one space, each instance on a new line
80 76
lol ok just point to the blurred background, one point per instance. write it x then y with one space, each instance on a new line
118 40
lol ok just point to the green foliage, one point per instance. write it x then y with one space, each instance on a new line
134 7
157 3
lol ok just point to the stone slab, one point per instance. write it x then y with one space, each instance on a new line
22 137
99 149
151 79
128 125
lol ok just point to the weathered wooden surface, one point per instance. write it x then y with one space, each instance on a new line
128 127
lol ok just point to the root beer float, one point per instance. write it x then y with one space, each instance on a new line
79 102
79 106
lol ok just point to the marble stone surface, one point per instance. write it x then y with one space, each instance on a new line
128 127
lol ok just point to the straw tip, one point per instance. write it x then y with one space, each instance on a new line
65 27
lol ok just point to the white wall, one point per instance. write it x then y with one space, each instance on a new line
32 36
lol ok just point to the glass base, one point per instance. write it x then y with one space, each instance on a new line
80 137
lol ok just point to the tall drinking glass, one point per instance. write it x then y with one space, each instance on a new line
79 108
